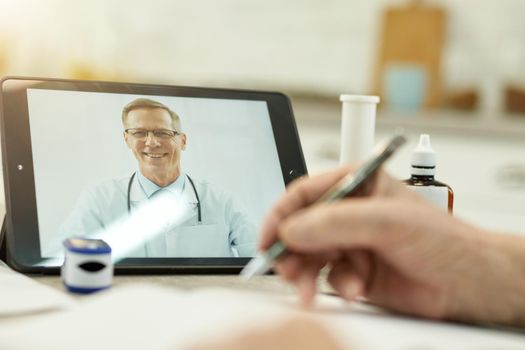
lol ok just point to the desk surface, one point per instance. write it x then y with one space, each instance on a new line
272 283
129 322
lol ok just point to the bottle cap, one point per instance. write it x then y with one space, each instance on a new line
423 157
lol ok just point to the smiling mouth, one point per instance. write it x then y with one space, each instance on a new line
154 155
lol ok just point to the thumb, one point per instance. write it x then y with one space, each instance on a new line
347 224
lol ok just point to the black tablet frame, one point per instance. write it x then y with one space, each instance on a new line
23 243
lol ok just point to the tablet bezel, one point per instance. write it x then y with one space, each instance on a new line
23 242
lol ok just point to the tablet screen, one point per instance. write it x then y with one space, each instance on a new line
154 176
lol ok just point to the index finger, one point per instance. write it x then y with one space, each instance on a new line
300 194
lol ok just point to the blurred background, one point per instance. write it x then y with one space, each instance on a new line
453 69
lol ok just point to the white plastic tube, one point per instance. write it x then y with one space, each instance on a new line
357 127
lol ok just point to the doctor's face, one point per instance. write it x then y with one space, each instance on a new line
156 142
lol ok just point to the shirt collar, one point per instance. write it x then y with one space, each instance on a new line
149 187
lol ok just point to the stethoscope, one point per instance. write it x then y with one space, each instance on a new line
199 216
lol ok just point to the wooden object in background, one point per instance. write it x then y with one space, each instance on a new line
464 100
515 100
413 34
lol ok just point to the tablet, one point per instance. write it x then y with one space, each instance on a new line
172 178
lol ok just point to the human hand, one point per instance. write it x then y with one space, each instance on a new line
396 250
295 333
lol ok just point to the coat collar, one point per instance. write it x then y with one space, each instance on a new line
141 189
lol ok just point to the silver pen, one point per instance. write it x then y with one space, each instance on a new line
347 186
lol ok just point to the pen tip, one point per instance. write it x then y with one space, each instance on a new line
257 266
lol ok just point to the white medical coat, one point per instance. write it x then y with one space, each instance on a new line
225 231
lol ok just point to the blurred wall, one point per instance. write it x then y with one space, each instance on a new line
323 47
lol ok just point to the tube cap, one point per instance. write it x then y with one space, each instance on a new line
423 157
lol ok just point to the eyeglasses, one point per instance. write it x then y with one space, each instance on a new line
142 134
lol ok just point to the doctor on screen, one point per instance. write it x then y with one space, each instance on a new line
215 227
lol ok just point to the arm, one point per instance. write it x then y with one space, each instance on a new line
243 234
81 221
84 219
294 333
399 252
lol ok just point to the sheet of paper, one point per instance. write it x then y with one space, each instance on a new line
22 295
146 317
